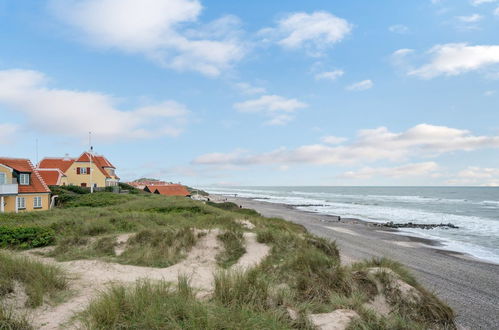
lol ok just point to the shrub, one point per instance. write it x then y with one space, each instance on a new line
25 237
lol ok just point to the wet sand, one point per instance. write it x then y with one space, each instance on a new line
468 285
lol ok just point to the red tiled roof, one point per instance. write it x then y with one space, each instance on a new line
51 176
100 162
170 190
61 163
37 185
65 163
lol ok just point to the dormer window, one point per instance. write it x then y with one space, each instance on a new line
24 179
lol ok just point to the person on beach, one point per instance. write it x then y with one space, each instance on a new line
339 219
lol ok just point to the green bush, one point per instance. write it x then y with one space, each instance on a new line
25 237
77 189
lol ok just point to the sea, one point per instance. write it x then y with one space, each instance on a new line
474 209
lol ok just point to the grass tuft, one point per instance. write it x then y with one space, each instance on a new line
39 280
158 248
233 242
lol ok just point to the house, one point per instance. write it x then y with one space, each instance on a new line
22 187
169 190
85 171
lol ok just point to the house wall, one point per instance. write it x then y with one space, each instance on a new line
10 202
7 172
73 178
64 181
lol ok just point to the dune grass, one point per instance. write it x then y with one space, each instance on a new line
160 248
39 280
233 243
10 321
149 305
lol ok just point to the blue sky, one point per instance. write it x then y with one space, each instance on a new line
258 92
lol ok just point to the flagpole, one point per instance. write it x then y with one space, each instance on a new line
90 153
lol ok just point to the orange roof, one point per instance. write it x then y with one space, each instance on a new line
61 163
51 176
64 163
100 161
37 185
170 190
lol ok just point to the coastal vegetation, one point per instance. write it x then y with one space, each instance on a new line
302 275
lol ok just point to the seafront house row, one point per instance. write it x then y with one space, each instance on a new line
21 187
85 171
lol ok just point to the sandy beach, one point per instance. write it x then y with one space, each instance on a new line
468 285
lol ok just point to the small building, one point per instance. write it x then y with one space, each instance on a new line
22 188
85 171
144 183
169 190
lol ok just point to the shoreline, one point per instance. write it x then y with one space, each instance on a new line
468 284
434 242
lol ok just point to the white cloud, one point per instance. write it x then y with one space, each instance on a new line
315 31
7 132
279 109
332 139
371 145
329 75
470 18
474 175
407 170
74 113
496 11
480 2
154 28
399 28
489 93
361 86
454 59
249 89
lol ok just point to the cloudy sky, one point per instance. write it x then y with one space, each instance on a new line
259 92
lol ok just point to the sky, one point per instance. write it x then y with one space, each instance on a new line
262 92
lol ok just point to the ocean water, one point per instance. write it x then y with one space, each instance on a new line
474 209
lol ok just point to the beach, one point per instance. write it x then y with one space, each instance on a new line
470 286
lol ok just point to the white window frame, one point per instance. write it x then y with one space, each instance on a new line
21 203
3 178
22 180
83 171
37 202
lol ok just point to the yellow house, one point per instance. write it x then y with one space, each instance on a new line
85 171
21 187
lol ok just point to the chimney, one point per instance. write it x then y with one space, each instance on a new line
66 157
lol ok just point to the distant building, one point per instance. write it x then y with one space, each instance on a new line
169 190
83 171
22 188
144 183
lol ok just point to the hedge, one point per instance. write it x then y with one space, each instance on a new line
25 237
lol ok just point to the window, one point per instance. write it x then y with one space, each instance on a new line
3 178
21 203
37 202
24 179
83 170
